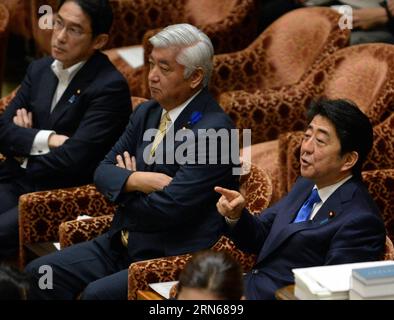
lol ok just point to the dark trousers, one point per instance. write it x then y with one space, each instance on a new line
9 197
94 268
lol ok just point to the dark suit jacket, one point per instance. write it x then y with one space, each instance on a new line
93 112
354 232
183 217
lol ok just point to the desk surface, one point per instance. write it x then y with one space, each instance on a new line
285 293
148 295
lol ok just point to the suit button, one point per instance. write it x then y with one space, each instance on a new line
255 271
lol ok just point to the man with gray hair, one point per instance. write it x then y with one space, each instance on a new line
166 207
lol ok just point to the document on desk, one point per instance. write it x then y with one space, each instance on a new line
163 288
134 55
328 282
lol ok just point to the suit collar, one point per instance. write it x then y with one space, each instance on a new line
330 210
197 104
77 86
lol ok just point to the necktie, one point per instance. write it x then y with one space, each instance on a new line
306 208
164 124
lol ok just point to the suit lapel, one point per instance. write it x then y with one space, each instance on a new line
198 104
47 89
76 87
183 121
283 226
152 122
332 208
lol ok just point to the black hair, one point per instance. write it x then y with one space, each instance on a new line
352 126
13 284
99 12
214 271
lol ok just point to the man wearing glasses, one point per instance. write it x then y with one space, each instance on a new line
70 109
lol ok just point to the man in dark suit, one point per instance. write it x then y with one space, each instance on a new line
69 110
327 218
166 205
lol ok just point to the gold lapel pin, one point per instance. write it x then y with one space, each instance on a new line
78 91
331 214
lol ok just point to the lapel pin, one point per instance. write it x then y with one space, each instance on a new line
79 91
72 99
331 214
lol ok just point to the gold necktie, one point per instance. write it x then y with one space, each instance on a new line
164 124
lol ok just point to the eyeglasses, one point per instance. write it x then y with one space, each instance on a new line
74 32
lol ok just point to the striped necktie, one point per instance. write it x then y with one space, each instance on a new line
163 126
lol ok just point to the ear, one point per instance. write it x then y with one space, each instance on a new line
351 159
100 41
196 78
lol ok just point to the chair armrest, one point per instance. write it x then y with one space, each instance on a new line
246 260
164 269
142 273
5 101
75 231
41 213
267 113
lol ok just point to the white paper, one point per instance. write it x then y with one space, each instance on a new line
134 55
84 217
163 288
334 278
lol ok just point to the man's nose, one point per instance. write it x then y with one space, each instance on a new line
62 34
307 145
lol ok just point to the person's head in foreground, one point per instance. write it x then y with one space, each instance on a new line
211 275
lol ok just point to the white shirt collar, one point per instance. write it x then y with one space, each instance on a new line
326 192
174 113
66 75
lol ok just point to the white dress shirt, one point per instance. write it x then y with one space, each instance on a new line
40 143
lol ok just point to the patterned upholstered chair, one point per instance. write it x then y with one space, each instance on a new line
258 190
231 24
4 24
363 73
41 213
19 13
281 55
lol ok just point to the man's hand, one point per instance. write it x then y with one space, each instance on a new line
23 118
56 140
126 162
145 182
369 18
231 203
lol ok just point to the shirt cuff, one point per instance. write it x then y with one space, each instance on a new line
231 222
40 144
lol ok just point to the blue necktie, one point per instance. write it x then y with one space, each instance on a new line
306 208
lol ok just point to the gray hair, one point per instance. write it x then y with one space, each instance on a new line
197 48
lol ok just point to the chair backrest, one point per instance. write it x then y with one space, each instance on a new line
380 185
362 73
283 53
